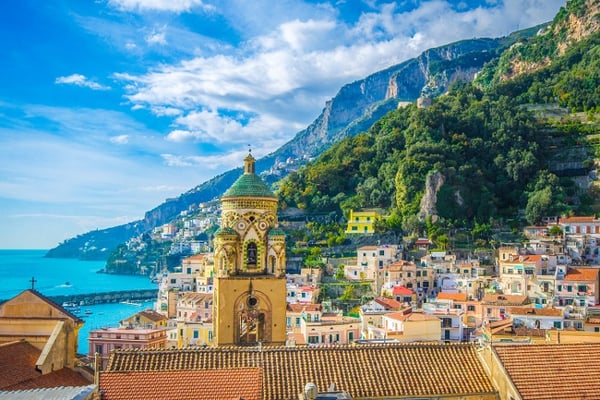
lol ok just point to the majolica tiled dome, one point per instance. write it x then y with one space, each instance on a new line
226 231
276 232
249 184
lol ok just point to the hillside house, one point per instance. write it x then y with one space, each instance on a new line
362 222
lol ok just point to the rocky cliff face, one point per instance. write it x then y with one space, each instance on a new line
433 183
574 22
353 110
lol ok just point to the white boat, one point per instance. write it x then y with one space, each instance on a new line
132 303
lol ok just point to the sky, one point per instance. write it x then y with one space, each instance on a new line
109 107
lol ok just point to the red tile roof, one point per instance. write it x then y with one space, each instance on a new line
388 304
18 369
398 290
575 220
542 312
582 274
506 299
452 296
207 384
420 370
553 371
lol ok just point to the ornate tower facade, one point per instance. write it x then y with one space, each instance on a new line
249 262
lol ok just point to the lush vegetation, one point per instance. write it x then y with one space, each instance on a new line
493 152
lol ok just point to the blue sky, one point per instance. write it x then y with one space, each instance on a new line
109 107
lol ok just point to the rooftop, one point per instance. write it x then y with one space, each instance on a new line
420 370
18 369
549 371
199 384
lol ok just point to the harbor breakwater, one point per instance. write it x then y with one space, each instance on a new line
106 297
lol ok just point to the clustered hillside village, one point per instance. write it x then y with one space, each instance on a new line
442 279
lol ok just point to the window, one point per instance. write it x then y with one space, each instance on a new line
195 334
288 321
350 336
251 254
297 321
313 339
470 308
99 348
210 336
559 288
569 288
381 252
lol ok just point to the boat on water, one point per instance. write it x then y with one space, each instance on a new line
87 312
132 303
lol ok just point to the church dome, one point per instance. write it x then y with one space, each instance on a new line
249 184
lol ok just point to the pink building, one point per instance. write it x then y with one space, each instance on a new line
579 287
103 341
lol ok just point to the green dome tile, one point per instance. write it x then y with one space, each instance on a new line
249 185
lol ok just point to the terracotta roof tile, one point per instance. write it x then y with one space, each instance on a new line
544 312
389 304
572 220
17 363
553 371
452 296
420 370
198 384
582 274
18 369
506 299
398 290
153 315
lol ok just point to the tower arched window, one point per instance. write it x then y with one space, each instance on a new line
251 254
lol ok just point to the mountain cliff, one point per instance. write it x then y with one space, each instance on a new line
353 110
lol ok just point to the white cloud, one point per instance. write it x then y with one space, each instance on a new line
176 6
215 162
180 135
157 36
120 139
80 80
278 82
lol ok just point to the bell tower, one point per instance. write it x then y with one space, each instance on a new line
249 255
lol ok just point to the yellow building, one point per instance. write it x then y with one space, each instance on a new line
362 221
249 265
45 325
412 327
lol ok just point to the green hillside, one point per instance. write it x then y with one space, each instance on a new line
510 146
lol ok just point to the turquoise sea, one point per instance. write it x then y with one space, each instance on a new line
60 276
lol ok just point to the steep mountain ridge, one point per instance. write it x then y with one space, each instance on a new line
354 109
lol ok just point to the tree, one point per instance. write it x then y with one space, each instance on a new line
538 204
